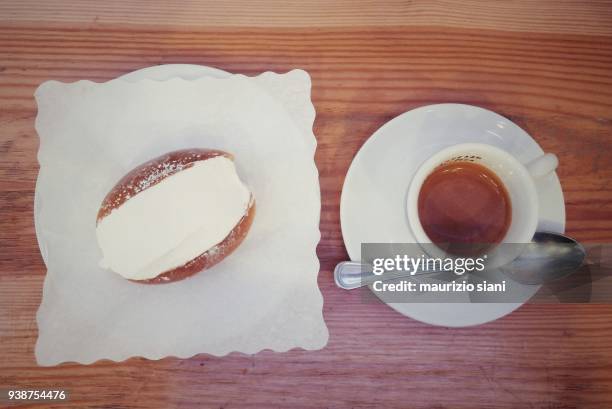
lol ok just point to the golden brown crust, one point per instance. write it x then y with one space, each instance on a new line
210 257
151 173
154 171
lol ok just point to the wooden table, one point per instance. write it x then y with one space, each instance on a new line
546 65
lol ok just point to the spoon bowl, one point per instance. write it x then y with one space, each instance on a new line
549 257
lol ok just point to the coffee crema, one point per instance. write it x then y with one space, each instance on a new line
464 208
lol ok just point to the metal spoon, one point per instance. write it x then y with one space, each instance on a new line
549 257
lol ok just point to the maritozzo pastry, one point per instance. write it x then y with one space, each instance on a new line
174 216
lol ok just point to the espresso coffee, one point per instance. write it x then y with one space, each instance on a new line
464 208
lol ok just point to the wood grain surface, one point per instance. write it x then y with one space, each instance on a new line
545 65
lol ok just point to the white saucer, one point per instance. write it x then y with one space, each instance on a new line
372 208
167 71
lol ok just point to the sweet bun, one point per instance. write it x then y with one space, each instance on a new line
173 216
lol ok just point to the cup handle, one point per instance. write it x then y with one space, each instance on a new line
542 166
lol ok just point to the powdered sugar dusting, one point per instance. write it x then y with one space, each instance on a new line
151 173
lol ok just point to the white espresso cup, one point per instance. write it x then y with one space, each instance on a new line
518 180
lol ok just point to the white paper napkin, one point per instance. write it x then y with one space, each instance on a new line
263 296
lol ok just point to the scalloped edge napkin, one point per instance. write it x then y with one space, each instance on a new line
263 296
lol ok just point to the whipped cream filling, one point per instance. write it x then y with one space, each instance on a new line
174 221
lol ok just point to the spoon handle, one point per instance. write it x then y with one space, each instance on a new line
353 274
